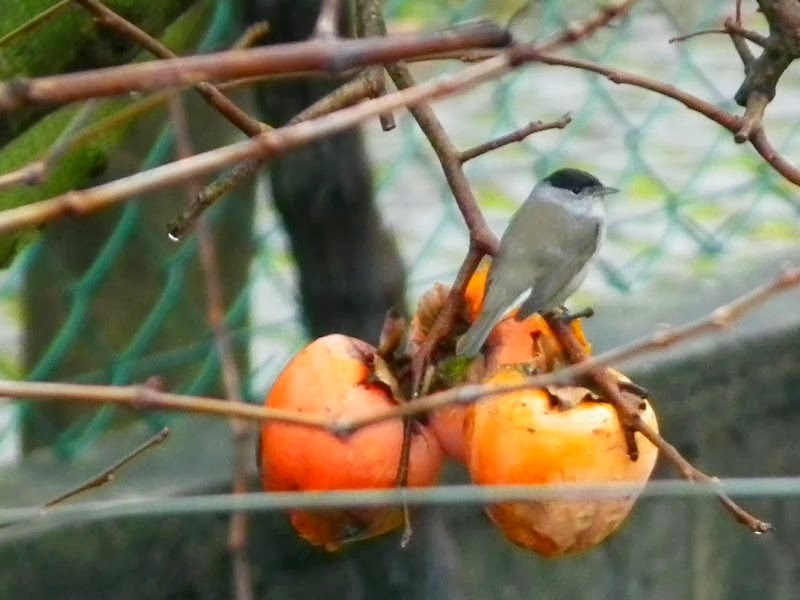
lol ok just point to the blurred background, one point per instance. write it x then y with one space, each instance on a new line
331 236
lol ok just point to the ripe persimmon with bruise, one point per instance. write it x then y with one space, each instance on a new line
524 438
334 377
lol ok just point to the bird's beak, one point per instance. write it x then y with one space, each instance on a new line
605 190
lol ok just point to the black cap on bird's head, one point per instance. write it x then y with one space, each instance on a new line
578 182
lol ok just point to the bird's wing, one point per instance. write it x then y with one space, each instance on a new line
552 288
562 253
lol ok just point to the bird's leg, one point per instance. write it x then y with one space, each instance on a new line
563 315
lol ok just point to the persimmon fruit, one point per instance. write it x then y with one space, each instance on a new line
333 376
524 438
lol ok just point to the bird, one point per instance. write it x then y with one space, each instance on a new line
544 252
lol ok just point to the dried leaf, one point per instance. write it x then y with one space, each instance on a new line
381 374
428 309
392 332
567 397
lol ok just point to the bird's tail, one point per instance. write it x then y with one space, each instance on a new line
470 343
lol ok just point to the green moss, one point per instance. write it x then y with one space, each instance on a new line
452 372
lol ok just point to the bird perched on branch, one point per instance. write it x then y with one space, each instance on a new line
544 252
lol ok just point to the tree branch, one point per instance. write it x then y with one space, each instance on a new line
108 474
269 143
209 92
733 123
145 397
313 55
513 137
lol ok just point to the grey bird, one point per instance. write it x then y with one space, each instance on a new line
544 251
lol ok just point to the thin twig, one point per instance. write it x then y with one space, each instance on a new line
729 28
108 474
209 92
315 55
144 397
733 123
215 311
270 143
36 173
583 30
631 419
344 96
370 23
515 136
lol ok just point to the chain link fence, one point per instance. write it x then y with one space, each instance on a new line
692 201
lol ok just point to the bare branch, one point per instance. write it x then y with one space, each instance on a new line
210 93
482 240
730 122
145 397
148 398
108 474
267 144
313 55
573 34
370 23
578 32
730 28
348 94
515 136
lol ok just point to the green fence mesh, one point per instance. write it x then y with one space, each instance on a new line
693 199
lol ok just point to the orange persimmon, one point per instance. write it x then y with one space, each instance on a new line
333 376
523 438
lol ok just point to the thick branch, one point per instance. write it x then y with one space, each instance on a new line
270 143
212 95
313 55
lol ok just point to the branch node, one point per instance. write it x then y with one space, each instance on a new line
753 115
